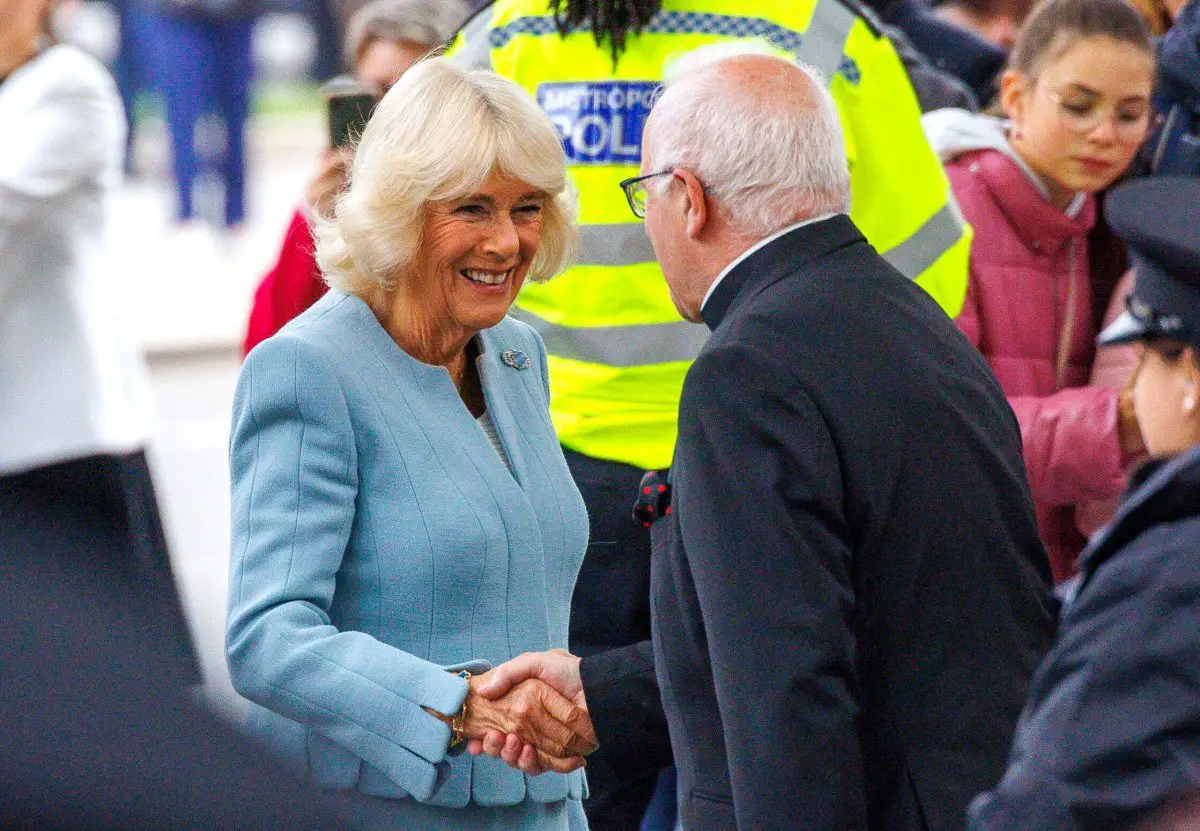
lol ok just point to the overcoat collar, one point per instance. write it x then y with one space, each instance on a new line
1160 491
786 255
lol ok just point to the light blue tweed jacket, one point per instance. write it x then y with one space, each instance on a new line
378 539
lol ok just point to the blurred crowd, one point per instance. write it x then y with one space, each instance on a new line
915 516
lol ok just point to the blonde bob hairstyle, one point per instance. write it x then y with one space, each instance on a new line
437 135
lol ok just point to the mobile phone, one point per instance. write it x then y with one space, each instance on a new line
350 105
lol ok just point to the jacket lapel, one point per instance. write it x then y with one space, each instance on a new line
495 377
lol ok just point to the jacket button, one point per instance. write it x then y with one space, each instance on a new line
974 168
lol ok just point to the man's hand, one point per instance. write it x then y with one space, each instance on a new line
558 669
558 732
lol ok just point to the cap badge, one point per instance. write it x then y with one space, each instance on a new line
515 358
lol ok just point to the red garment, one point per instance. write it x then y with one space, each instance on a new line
294 284
1027 260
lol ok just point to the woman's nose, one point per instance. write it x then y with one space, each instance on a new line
503 241
1106 131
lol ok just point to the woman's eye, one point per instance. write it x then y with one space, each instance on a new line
471 210
1130 117
528 210
1077 108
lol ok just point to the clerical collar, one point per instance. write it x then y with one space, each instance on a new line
760 244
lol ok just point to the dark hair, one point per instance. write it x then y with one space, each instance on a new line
1171 350
1054 25
1019 9
610 20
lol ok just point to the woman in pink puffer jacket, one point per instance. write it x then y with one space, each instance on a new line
1077 94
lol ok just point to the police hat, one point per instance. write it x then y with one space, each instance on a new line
1159 219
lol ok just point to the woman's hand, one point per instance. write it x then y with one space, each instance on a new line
558 732
545 730
1129 432
330 180
560 670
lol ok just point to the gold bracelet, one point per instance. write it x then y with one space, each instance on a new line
458 723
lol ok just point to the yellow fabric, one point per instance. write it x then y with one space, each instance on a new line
629 414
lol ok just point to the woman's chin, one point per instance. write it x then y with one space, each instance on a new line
486 318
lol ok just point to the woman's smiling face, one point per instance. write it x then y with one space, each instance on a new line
473 258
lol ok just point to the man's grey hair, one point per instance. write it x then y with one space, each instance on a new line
764 164
426 22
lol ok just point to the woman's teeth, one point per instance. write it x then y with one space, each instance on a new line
487 278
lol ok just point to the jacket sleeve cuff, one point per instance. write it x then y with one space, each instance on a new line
443 692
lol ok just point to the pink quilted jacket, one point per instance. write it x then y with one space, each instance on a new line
1028 310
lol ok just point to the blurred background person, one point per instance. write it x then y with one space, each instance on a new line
1180 814
1160 14
1175 146
329 38
76 409
1111 731
386 38
618 350
403 516
97 736
201 63
998 21
1077 95
953 49
129 66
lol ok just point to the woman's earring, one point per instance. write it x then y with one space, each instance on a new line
1189 402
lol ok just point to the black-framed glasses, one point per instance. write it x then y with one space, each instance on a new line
635 191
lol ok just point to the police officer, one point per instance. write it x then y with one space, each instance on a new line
1110 735
617 349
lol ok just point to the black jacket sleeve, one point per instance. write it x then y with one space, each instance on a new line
623 700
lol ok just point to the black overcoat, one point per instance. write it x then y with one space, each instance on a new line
1111 732
850 596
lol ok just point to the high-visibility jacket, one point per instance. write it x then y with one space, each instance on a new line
618 350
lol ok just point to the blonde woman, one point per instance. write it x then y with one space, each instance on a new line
386 38
403 517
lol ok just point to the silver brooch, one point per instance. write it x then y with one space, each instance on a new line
515 358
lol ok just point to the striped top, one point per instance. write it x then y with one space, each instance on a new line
489 430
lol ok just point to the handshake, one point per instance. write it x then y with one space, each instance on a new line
531 713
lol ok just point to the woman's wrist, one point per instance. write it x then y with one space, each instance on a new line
458 721
455 721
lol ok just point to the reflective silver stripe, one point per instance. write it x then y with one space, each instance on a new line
933 239
617 244
619 346
825 38
477 53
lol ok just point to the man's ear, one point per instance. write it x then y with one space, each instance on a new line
695 203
